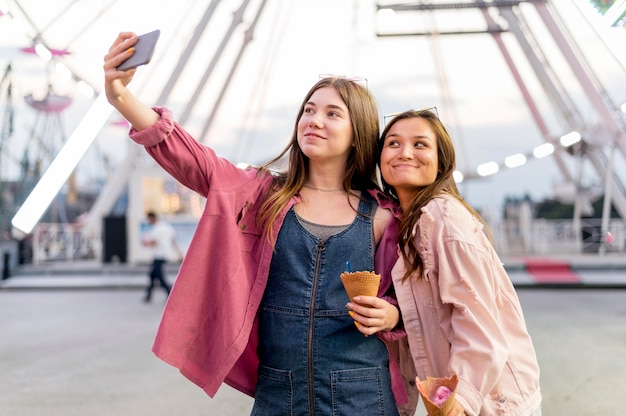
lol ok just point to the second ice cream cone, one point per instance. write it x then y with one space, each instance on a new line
427 390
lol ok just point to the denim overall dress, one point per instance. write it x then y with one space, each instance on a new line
313 360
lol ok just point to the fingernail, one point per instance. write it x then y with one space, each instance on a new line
351 314
130 50
356 324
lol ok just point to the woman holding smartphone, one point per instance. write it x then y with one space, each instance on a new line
258 302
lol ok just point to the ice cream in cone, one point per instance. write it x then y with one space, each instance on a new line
438 394
360 283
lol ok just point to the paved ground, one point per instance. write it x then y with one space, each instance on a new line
87 352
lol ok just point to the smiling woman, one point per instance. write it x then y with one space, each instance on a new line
408 159
451 287
298 227
325 128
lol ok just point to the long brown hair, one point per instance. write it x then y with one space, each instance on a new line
361 164
443 184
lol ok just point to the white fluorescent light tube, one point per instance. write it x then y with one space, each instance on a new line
487 169
570 138
515 160
43 52
62 166
543 150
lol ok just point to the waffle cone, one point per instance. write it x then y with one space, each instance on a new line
427 390
360 283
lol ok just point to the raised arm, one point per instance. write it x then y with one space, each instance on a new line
139 115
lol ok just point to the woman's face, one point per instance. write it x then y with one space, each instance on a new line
325 128
409 160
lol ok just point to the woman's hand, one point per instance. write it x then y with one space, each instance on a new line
138 114
115 81
372 314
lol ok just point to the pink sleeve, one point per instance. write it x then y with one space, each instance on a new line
191 163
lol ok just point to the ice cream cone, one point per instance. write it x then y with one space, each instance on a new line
427 390
360 283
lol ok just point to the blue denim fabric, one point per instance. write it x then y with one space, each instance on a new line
313 359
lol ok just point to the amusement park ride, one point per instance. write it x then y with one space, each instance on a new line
595 142
593 138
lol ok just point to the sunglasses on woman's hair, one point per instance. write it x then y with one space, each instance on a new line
388 117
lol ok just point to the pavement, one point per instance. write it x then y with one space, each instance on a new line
88 352
564 271
79 338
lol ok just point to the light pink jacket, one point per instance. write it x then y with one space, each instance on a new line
209 328
464 316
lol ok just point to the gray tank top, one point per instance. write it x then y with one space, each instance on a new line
319 230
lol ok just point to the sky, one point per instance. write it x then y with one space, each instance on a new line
293 43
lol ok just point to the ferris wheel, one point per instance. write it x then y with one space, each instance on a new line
584 137
599 146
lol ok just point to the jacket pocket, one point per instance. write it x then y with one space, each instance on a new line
250 233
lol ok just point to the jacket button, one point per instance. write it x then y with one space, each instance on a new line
242 226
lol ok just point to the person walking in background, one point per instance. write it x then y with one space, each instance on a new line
459 308
258 302
161 240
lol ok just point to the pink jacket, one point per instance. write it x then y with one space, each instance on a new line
464 317
209 326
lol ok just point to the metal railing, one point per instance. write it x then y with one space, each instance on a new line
546 237
63 242
66 242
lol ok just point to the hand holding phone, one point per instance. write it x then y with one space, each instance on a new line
144 49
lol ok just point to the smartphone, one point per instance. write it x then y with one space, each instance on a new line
144 49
